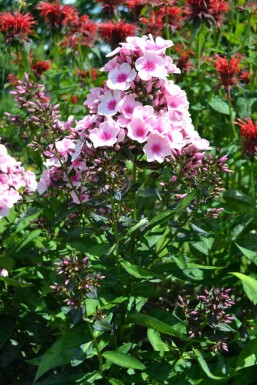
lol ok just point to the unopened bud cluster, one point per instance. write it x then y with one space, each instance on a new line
207 317
77 280
39 114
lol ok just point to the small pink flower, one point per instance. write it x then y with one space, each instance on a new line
30 180
119 78
143 112
110 103
151 65
4 273
158 45
138 130
157 148
106 134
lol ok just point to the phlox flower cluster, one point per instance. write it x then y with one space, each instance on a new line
13 178
139 109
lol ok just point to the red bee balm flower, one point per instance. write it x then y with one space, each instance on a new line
228 71
211 11
116 32
57 15
248 131
16 25
40 66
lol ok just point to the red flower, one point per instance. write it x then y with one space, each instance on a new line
211 11
74 99
174 15
116 32
183 63
228 71
40 66
248 131
83 32
16 25
154 23
57 15
137 5
13 80
109 6
92 74
248 128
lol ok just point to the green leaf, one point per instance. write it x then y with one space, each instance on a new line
25 240
14 282
62 350
156 341
124 360
249 285
135 270
154 323
219 105
115 381
244 106
205 367
140 224
197 24
160 219
247 356
250 254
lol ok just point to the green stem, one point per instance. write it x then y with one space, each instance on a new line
252 178
198 51
231 118
99 356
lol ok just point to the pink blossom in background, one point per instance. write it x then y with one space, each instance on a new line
13 180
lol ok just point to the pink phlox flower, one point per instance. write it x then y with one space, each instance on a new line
67 125
186 125
106 134
176 139
119 78
171 67
77 150
65 147
79 196
197 143
30 180
160 125
9 197
110 65
127 109
138 130
16 180
85 123
151 65
93 99
3 272
74 178
110 103
157 148
3 150
143 112
8 164
159 45
44 182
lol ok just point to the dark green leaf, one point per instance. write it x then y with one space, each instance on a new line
124 360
